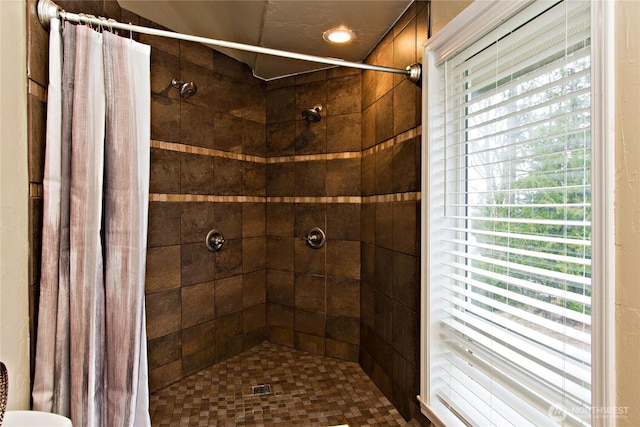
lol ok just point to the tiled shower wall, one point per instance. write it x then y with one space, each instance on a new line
390 260
238 157
313 180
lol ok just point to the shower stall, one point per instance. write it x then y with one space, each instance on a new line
252 160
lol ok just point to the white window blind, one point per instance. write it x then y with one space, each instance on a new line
509 231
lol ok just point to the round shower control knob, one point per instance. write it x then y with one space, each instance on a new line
214 240
315 238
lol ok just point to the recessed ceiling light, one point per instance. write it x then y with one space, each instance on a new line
339 35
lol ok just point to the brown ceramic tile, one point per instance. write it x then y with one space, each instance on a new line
254 289
281 105
422 30
310 292
315 76
196 174
343 221
343 297
196 53
384 118
343 177
198 337
164 350
35 239
228 219
36 123
368 222
310 322
342 328
406 280
165 375
280 253
405 166
367 264
199 360
196 221
228 261
254 317
112 10
367 306
227 174
164 224
165 119
163 268
405 333
222 394
228 295
343 259
254 138
197 264
383 325
384 225
229 326
384 171
280 219
164 68
280 179
255 99
253 254
281 336
368 128
254 179
310 178
225 65
405 106
405 223
342 350
203 78
308 95
336 72
37 47
369 174
311 138
228 132
163 313
383 280
310 343
197 304
281 83
308 216
309 260
165 44
281 316
281 138
343 133
165 171
230 96
343 95
197 127
280 287
254 219
404 44
229 347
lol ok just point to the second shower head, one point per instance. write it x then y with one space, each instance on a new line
312 115
187 89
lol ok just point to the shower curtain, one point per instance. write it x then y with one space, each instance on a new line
91 358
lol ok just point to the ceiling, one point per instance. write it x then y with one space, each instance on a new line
295 26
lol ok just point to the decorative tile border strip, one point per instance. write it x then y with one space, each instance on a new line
38 91
184 148
35 189
382 198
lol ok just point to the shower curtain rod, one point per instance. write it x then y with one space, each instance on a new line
48 10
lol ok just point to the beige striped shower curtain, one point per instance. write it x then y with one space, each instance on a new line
91 357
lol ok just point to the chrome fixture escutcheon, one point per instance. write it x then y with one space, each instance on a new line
315 238
214 240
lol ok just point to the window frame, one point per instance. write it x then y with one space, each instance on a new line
474 22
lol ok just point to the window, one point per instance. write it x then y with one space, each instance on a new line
507 251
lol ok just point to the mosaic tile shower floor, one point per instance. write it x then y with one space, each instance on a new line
306 390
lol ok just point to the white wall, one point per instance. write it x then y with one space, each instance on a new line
14 190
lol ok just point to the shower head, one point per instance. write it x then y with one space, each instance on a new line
312 115
187 89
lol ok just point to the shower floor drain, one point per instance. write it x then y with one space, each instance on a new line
261 389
